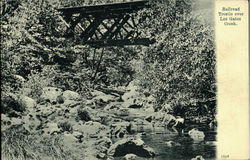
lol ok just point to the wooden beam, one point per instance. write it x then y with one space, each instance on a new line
129 34
120 34
130 25
87 29
93 29
105 9
74 23
124 20
125 29
133 21
111 28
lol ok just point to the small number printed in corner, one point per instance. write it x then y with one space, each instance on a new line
226 156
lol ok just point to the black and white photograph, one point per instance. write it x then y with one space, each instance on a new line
108 80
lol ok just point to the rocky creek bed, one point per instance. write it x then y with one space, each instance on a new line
106 127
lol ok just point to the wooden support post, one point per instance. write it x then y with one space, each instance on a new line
98 65
93 60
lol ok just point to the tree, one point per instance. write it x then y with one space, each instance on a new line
179 69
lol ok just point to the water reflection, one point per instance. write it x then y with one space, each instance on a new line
172 145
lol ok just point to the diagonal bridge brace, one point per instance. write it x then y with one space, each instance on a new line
106 25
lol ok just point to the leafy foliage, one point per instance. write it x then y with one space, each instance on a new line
179 69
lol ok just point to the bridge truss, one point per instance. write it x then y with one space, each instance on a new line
106 25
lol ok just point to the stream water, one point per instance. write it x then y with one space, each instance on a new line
170 145
174 146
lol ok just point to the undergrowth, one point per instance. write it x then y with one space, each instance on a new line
18 145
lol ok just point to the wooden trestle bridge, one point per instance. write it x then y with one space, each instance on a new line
106 25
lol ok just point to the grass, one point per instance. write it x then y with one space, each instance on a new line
16 145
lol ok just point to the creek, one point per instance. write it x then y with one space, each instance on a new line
170 145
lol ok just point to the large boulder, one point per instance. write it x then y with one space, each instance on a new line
131 146
71 95
196 135
50 94
130 157
120 129
100 99
161 119
28 103
92 129
51 128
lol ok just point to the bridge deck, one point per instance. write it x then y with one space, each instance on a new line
125 7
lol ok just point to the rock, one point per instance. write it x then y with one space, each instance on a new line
130 157
19 78
139 121
122 112
90 157
69 139
50 94
196 135
120 129
106 142
100 97
92 129
78 135
51 128
31 123
70 95
102 146
112 105
27 102
198 158
131 146
101 156
162 119
172 144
